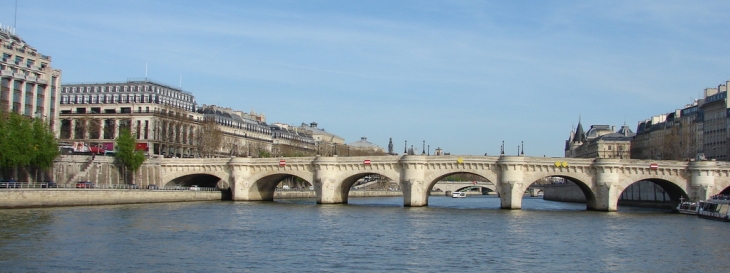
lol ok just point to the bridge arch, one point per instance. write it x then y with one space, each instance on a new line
263 185
582 181
199 179
435 177
674 189
352 177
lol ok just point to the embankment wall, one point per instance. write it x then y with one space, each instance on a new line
25 198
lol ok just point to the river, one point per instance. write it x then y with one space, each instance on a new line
368 235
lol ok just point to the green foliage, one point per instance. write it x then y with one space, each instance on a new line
25 142
264 153
125 151
45 146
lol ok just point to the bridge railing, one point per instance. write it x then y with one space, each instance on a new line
85 186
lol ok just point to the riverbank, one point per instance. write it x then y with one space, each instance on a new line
29 198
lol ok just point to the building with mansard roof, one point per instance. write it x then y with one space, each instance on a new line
600 141
165 120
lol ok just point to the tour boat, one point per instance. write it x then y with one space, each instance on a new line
458 194
688 208
716 209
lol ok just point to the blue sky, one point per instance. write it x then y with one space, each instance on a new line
460 75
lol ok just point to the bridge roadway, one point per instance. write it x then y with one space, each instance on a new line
601 180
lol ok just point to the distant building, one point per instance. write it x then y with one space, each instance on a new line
244 134
676 135
600 141
326 143
162 118
364 147
30 86
291 141
715 133
165 120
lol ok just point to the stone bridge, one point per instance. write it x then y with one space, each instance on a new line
601 180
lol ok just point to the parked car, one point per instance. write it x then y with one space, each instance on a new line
133 186
85 185
49 184
194 188
152 187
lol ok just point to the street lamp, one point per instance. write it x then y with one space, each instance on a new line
522 152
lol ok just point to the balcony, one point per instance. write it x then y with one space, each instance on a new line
19 76
42 81
31 78
7 73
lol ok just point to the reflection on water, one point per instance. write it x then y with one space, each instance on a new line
367 235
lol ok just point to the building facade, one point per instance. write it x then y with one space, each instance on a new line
715 135
167 121
326 143
30 86
600 141
162 118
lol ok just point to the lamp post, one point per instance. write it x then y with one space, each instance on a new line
405 148
522 151
423 148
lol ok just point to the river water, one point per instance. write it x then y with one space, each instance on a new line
368 235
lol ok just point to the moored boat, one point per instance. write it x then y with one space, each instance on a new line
688 208
716 208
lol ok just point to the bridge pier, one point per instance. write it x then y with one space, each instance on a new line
242 188
326 185
702 180
510 187
606 192
412 183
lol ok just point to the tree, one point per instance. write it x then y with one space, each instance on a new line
25 142
45 146
126 153
209 138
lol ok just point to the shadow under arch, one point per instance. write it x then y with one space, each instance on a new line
465 176
661 194
266 186
562 189
200 179
351 180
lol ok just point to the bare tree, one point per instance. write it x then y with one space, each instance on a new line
209 138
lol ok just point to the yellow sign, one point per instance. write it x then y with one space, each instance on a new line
460 160
565 164
561 164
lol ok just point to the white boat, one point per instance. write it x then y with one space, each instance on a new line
687 208
458 194
717 208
